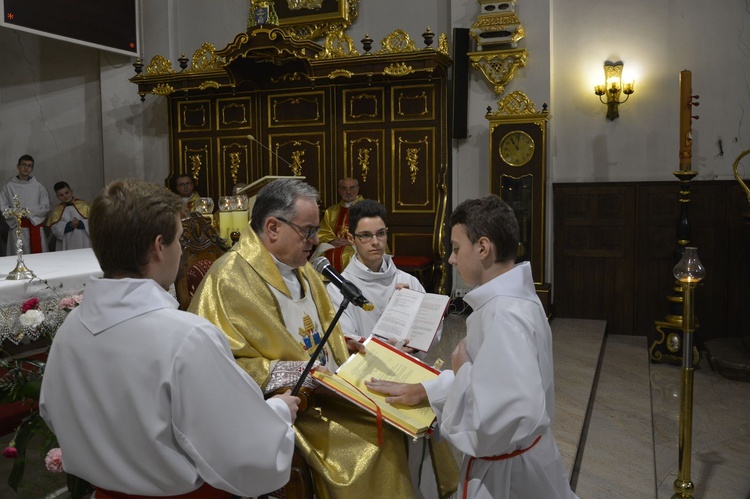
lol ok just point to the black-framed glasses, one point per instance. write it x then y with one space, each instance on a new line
366 237
307 232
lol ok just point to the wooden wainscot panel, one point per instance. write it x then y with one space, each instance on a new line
300 154
363 105
413 103
194 116
295 109
234 113
195 159
234 162
407 242
364 155
413 182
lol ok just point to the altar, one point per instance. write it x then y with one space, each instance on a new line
59 275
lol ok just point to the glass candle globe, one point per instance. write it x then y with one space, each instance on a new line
689 268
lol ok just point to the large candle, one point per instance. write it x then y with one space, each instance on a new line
686 108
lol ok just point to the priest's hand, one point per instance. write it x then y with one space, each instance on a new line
398 393
355 346
291 401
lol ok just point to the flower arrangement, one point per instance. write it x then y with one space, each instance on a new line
22 382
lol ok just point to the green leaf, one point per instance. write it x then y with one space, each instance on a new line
23 435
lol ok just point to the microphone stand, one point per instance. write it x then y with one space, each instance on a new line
322 343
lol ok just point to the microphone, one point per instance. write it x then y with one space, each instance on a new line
349 290
269 150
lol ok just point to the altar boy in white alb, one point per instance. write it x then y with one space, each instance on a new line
33 196
130 387
497 403
69 220
374 273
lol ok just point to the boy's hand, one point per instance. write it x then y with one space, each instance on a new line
291 401
355 346
400 393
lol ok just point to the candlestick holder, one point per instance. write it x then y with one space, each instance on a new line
688 272
21 272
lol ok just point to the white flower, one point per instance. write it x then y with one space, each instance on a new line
32 318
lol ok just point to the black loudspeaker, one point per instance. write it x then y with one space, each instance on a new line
460 86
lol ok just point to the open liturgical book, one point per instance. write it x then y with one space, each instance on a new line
414 316
385 362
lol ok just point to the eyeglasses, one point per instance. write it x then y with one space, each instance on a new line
365 237
307 232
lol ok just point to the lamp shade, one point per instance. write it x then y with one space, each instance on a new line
689 268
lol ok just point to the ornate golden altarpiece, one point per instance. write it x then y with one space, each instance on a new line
270 103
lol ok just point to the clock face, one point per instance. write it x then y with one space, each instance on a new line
517 148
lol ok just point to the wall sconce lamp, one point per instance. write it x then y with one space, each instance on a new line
613 87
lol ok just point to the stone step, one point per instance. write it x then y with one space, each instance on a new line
577 346
617 459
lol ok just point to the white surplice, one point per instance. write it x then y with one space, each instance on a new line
31 195
146 399
504 398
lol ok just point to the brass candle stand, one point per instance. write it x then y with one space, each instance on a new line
688 272
21 271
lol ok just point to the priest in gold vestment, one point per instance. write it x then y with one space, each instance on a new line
273 307
334 227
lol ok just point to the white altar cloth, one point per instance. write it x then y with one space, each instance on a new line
65 273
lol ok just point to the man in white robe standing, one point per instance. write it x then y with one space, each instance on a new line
32 196
497 403
373 272
144 398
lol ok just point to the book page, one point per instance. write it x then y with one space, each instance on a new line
398 314
427 321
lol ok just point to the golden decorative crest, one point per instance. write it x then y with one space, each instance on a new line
400 69
296 76
338 44
159 65
163 89
516 103
209 84
340 72
443 44
205 59
397 42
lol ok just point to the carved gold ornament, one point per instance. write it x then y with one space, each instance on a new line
159 65
400 69
363 158
338 44
297 161
304 4
195 165
412 159
443 44
205 59
514 103
499 66
336 73
397 42
163 89
234 164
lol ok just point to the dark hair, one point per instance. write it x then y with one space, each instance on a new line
277 200
365 208
61 185
25 157
125 220
489 217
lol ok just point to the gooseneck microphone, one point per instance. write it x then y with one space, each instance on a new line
261 144
349 290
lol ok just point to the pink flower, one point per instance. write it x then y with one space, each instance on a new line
31 304
70 302
53 460
10 452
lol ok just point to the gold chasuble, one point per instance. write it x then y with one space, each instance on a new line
334 224
338 440
54 216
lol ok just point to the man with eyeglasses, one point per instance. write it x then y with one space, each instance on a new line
274 309
372 271
33 196
185 187
334 226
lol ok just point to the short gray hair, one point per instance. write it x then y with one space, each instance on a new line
277 200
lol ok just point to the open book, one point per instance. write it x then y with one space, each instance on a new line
414 316
386 362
